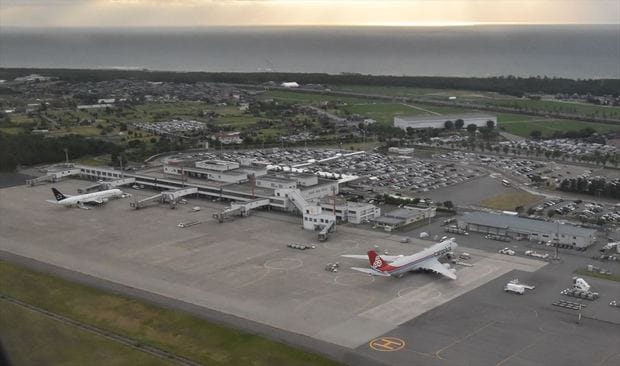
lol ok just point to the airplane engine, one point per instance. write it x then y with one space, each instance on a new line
104 200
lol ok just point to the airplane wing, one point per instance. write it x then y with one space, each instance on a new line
434 265
387 258
52 201
371 271
355 256
95 201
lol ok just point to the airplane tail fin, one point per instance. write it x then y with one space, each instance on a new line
375 259
59 196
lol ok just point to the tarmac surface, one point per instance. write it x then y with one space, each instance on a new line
242 269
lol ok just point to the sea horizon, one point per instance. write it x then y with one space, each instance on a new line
576 51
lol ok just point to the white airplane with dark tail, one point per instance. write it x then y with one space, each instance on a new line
389 265
95 198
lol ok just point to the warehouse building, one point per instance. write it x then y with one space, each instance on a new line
535 230
440 121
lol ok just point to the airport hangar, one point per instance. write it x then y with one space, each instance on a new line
414 122
535 230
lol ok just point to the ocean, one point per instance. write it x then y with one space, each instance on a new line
584 51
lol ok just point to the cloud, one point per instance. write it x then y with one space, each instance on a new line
123 13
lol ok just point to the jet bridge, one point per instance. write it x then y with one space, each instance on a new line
324 233
138 204
240 209
102 186
53 177
169 197
173 197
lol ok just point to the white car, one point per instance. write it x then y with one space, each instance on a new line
507 251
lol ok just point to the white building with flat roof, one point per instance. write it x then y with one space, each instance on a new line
479 120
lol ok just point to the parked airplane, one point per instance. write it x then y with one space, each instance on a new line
95 198
389 265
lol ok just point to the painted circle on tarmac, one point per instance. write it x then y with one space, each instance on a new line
284 263
387 344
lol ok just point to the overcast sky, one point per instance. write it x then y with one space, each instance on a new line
128 13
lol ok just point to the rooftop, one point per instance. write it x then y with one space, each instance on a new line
524 225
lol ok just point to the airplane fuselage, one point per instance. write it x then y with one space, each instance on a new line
411 262
90 197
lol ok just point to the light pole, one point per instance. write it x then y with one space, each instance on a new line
120 159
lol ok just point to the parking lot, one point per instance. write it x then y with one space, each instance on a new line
378 172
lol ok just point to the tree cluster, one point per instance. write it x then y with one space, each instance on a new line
503 84
31 149
595 186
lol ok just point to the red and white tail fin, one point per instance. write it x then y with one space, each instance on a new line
375 259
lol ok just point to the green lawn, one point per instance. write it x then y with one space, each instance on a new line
510 200
383 112
11 130
174 331
33 339
310 98
585 272
548 127
551 106
403 91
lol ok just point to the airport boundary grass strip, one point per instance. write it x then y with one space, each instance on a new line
106 334
584 272
174 331
510 200
31 338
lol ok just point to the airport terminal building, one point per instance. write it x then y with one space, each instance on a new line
535 230
439 121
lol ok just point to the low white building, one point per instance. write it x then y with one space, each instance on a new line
353 212
479 120
403 216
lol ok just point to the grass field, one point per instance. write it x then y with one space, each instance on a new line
486 98
549 126
309 98
510 200
585 272
11 130
383 112
33 339
171 330
557 107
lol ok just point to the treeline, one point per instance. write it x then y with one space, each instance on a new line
596 186
503 84
31 149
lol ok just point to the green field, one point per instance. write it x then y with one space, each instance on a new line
510 200
551 106
174 331
549 126
311 98
11 130
585 272
33 339
383 112
403 91
487 98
